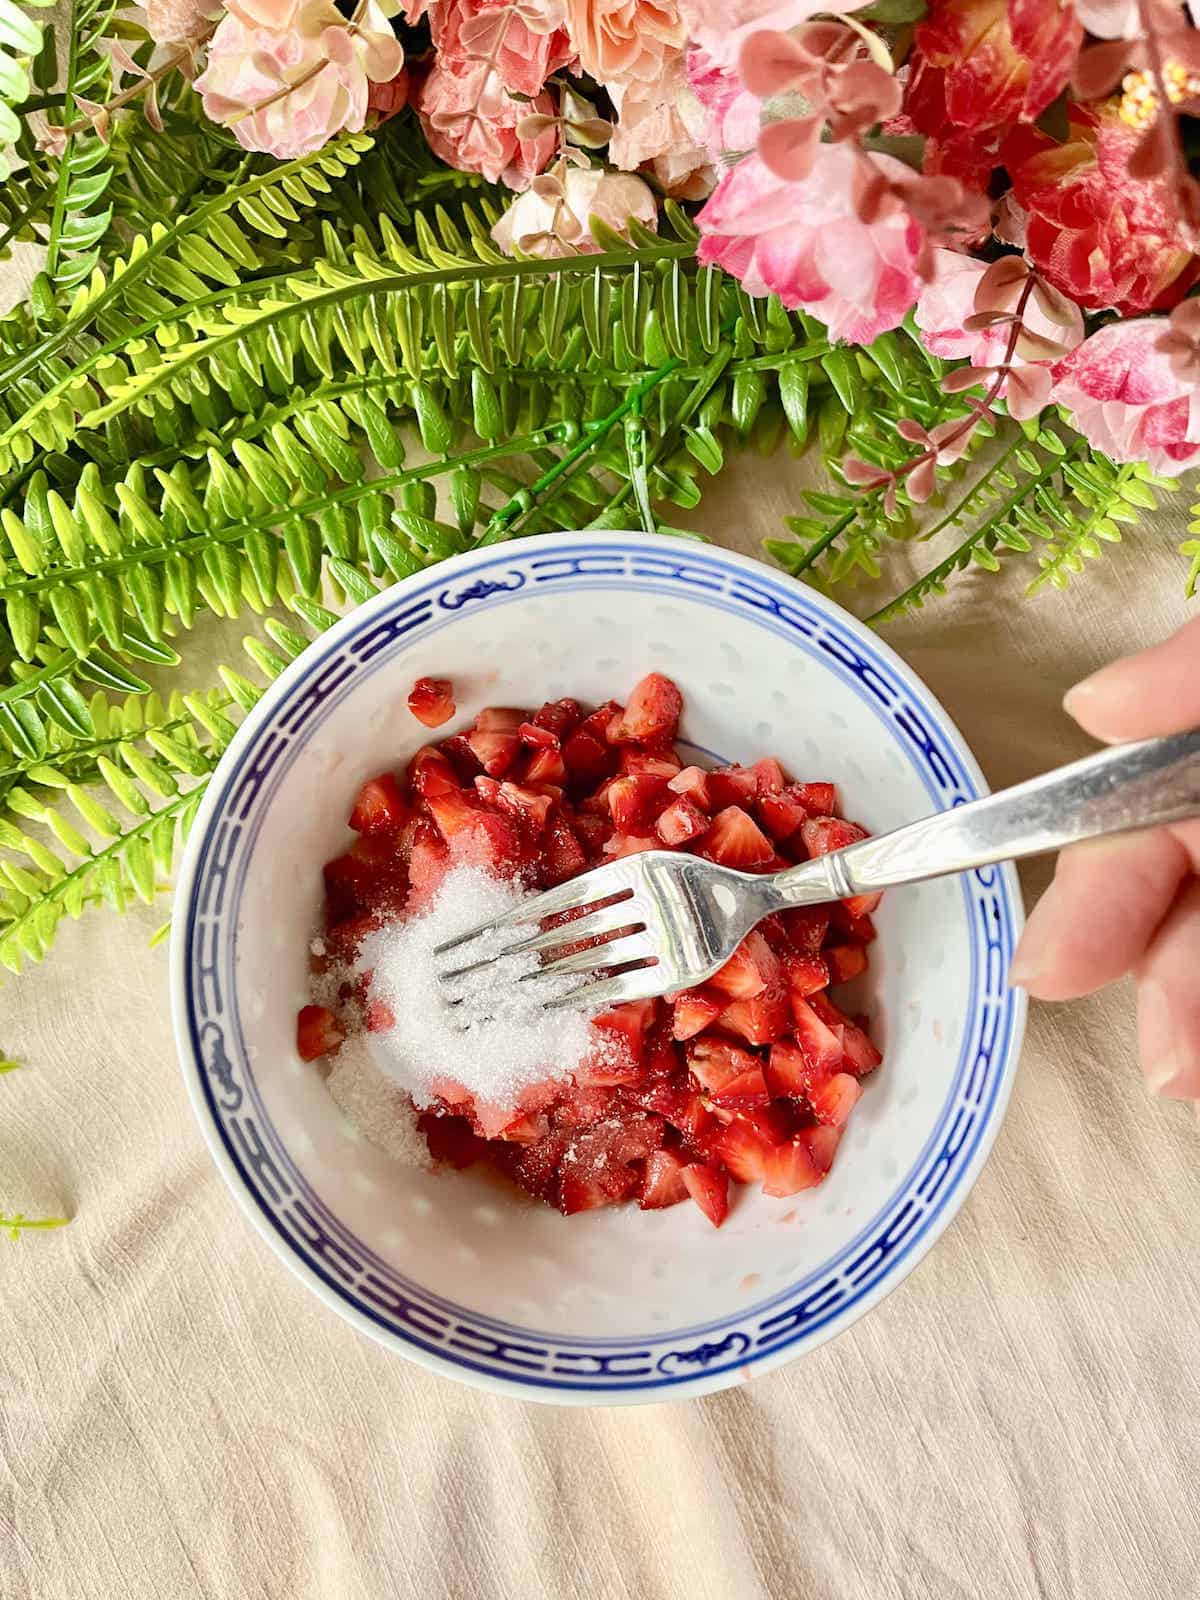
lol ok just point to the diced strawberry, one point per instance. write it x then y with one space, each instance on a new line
343 939
762 1019
651 713
790 1167
636 799
694 1010
499 719
788 1072
522 804
537 738
835 1098
768 777
461 757
495 750
861 1055
431 701
692 783
709 1188
428 865
805 974
732 1076
524 1129
380 807
819 799
474 836
782 814
750 969
317 1032
821 1143
371 876
663 1183
845 962
735 840
732 786
580 1191
634 759
451 1139
848 927
535 1166
562 854
623 1027
583 1104
806 927
630 844
587 755
822 1049
822 835
545 766
431 774
680 822
594 832
559 717
379 1017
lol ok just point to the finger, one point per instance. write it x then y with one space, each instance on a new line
1168 985
1155 691
1100 913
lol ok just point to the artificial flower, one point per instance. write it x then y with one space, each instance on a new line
551 217
1179 341
660 124
805 242
948 310
618 41
288 89
180 21
1102 236
721 27
524 43
1127 400
471 123
998 61
730 113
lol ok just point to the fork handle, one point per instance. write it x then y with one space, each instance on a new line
1126 786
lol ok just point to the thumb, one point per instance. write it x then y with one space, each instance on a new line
1156 691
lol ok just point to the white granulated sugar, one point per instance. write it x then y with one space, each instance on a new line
500 1039
374 1106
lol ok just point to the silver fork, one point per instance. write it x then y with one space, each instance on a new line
670 920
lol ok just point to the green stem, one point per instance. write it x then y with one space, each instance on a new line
819 546
980 483
19 1224
30 211
62 182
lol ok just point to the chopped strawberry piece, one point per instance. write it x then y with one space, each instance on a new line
709 1188
750 969
474 836
430 773
744 1147
845 961
636 799
495 750
594 832
498 719
584 1104
379 1016
524 1129
380 807
431 701
732 786
849 927
788 1071
790 1167
631 844
768 777
461 757
522 804
692 783
317 1032
635 759
822 835
835 1098
588 756
761 1019
545 766
663 1183
695 1010
820 799
652 712
731 1075
560 717
371 876
535 1166
623 1028
428 865
861 1055
343 939
562 854
451 1139
821 1046
680 822
537 738
805 928
735 840
860 906
782 814
805 975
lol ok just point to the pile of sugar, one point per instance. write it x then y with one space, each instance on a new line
374 1106
500 1039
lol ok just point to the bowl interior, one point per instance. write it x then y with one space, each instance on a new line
459 1265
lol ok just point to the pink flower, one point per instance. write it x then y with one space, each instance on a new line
180 21
1126 399
947 302
804 241
310 76
470 122
621 40
721 27
523 40
551 217
661 124
731 113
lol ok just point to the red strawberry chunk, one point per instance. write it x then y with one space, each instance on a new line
451 1139
317 1032
834 1099
850 928
499 719
593 832
762 1019
587 755
428 865
631 844
822 835
861 1056
651 713
680 822
623 1028
431 701
581 1190
782 814
695 1010
846 961
768 777
342 939
709 1188
692 783
788 1072
430 773
537 738
821 1046
562 854
524 805
475 836
735 840
545 766
805 928
461 757
791 1167
380 807
559 717
635 800
805 975
732 786
663 1183
731 1075
371 877
379 1016
635 759
750 969
820 799
495 750
745 1143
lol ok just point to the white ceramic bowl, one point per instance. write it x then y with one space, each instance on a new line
447 1268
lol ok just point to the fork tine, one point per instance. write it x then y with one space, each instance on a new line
634 946
598 884
640 984
607 920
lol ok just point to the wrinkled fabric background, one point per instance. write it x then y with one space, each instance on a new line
1021 1418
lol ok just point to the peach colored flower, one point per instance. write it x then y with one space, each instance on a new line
310 75
620 40
180 21
529 43
470 122
661 124
551 218
805 242
1126 399
721 27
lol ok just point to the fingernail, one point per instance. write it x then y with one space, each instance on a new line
1029 958
1077 697
1167 1072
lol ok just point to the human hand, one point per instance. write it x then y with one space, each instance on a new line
1131 903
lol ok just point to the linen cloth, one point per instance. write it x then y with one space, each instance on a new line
179 1417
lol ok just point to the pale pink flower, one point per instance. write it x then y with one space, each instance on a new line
621 40
805 242
180 21
1110 19
731 113
524 41
947 302
311 76
470 122
721 27
551 218
661 124
1126 399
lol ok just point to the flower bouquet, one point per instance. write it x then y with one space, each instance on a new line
326 293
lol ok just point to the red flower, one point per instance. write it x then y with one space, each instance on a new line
1100 235
998 60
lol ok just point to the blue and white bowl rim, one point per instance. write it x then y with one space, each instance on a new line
340 1267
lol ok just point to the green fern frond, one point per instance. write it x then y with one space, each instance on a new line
21 40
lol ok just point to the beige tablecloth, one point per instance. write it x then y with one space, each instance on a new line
180 1418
